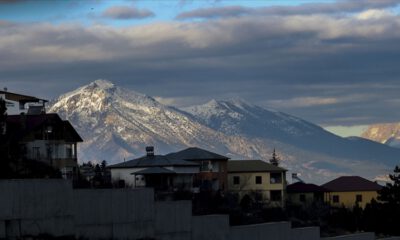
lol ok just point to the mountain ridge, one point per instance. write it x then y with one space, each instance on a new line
118 123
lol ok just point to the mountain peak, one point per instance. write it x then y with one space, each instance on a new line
101 83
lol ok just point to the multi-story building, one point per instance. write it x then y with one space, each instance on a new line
157 171
264 181
41 137
212 174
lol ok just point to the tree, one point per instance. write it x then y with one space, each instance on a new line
103 165
3 116
391 192
275 159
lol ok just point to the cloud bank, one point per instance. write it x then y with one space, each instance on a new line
316 66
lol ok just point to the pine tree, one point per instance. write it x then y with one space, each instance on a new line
275 159
391 192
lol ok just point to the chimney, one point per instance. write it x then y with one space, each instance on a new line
150 151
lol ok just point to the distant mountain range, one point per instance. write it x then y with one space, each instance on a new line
118 123
386 133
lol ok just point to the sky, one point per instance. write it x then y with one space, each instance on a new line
334 63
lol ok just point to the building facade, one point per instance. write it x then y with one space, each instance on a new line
156 171
212 175
305 194
260 180
350 190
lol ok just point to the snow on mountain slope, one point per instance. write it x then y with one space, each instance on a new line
240 118
386 133
117 123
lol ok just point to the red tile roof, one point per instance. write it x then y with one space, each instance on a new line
351 183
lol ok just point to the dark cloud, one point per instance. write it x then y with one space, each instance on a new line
11 1
126 12
341 6
332 70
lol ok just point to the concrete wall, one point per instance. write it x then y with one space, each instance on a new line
210 227
359 236
2 229
264 231
308 233
114 213
33 207
173 220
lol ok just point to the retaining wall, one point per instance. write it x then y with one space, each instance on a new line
358 236
308 233
210 227
35 207
114 213
173 220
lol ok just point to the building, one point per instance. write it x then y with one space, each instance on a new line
349 190
41 137
157 171
213 168
305 194
255 177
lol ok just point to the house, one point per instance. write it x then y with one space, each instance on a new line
157 171
37 136
349 190
213 168
305 194
45 138
266 181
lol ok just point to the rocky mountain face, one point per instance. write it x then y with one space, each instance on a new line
117 124
388 133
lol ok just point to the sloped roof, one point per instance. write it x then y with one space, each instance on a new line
20 97
252 166
153 161
300 187
351 183
20 125
154 171
194 153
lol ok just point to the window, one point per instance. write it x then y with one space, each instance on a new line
276 195
302 198
358 198
276 178
206 166
258 180
236 180
68 151
335 198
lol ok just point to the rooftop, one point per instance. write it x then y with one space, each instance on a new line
252 166
351 183
300 187
194 153
153 161
20 125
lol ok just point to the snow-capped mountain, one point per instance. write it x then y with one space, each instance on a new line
386 133
117 124
237 117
